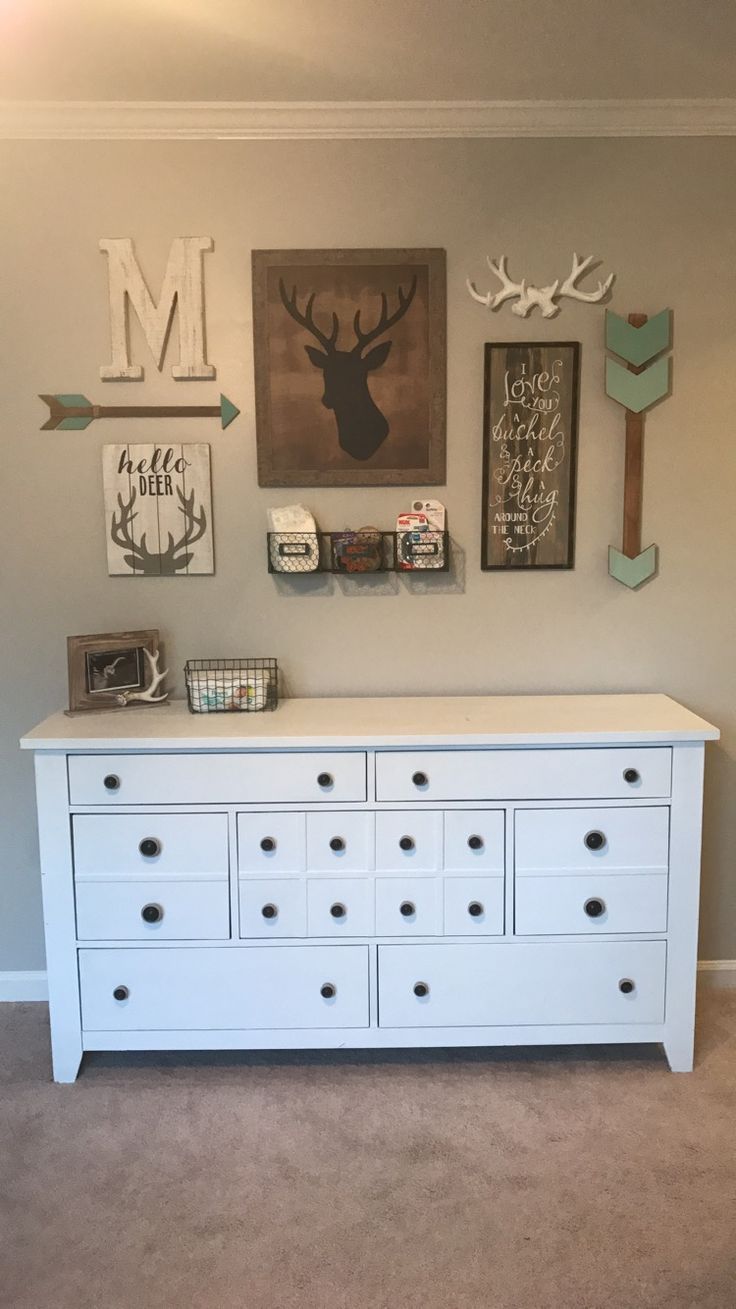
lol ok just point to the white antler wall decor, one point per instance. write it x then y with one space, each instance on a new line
541 297
147 696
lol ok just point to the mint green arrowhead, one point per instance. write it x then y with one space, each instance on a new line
637 391
632 572
227 411
638 344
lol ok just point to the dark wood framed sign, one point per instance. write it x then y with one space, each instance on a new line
530 421
350 367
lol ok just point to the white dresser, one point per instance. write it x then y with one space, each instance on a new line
372 873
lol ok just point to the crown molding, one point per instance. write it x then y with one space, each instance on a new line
175 120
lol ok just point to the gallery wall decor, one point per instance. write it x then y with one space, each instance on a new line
530 419
637 387
182 289
158 510
110 670
73 413
545 298
350 367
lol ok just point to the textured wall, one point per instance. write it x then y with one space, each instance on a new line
660 213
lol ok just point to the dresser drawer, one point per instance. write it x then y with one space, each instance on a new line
592 840
254 778
408 906
158 846
340 906
340 842
207 989
591 903
408 841
474 906
150 911
273 908
271 843
482 985
436 775
474 841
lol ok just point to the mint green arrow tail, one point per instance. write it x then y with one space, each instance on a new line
59 420
638 344
637 391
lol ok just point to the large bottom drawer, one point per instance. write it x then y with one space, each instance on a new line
478 985
194 989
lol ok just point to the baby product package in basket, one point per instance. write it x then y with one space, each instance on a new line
217 686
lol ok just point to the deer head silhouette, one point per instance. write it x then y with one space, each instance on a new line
361 427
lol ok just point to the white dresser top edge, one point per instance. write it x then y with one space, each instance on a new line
368 722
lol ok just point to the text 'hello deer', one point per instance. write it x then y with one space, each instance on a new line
361 427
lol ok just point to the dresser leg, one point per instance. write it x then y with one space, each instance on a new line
679 1051
66 1060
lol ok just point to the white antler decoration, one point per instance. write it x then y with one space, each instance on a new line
157 678
542 297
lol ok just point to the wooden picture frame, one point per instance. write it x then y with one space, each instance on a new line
530 431
103 665
350 367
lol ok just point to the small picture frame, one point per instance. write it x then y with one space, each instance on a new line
105 666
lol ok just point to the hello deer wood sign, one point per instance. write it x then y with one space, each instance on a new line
350 367
158 510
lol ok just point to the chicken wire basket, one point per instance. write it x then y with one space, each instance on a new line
226 686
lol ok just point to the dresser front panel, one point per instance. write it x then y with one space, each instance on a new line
554 840
174 911
591 904
115 845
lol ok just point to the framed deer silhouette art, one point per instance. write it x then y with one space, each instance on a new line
350 367
158 510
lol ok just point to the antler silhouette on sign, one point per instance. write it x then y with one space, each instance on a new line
361 427
542 297
165 562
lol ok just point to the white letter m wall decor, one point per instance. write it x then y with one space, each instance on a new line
183 288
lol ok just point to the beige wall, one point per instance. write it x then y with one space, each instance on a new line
660 213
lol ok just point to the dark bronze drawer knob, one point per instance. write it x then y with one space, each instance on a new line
594 907
632 775
325 780
420 779
111 782
626 985
475 842
150 846
337 844
407 909
268 844
152 913
121 993
421 989
270 911
475 909
595 840
407 843
328 991
338 910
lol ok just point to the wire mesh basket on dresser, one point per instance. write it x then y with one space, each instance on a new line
222 686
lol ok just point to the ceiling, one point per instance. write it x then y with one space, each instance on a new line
324 50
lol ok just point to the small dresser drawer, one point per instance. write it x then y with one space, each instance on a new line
158 846
592 840
532 984
340 842
208 989
408 841
340 906
474 841
641 772
408 906
150 911
474 906
271 843
273 908
257 777
595 903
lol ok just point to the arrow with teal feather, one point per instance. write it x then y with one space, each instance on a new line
72 413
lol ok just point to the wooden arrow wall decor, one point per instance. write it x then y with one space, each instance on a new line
72 413
637 388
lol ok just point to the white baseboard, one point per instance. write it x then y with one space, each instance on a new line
717 972
23 985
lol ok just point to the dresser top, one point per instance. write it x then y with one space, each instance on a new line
416 721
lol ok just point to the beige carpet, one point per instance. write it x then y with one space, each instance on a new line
519 1180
